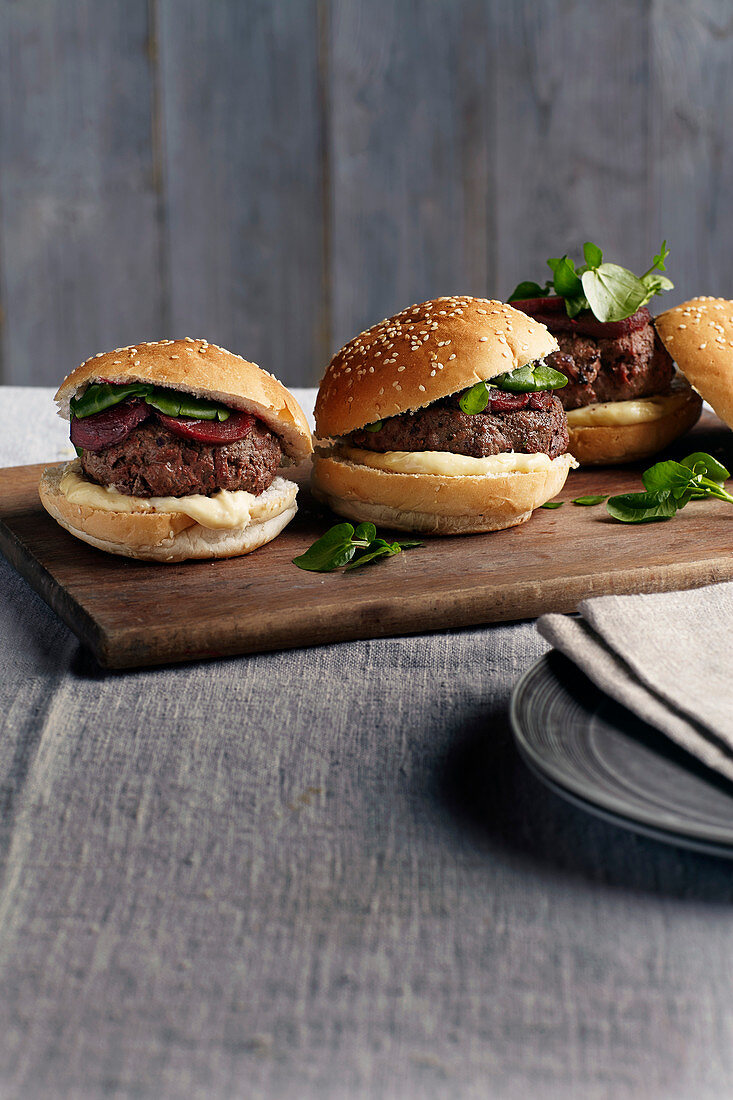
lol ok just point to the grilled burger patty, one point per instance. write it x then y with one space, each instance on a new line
530 423
635 364
153 461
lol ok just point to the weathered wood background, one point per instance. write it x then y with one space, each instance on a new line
276 174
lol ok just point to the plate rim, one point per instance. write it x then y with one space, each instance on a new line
695 837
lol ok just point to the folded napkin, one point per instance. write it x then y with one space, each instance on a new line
668 657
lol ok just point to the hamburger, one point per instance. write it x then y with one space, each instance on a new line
442 419
699 336
624 400
180 448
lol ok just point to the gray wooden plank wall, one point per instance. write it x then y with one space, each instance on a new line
277 174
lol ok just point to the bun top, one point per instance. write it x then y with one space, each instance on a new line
426 352
699 336
205 370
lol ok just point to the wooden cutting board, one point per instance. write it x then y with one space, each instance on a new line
131 613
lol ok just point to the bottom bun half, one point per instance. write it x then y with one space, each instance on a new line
166 537
432 504
612 444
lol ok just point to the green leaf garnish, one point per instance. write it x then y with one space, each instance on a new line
552 504
530 379
670 486
342 543
103 395
589 501
528 290
378 549
593 254
642 507
475 399
330 551
611 292
710 466
374 427
175 403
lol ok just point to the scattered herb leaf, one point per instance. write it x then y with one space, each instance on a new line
670 486
589 501
341 543
552 504
642 507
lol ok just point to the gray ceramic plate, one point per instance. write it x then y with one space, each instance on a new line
598 755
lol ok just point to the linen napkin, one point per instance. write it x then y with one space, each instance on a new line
668 657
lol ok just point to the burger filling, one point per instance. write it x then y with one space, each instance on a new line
162 443
604 361
529 422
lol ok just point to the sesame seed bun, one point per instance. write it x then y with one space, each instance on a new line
426 352
205 370
699 336
435 505
613 444
166 537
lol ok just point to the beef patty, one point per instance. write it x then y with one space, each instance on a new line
635 364
153 462
530 423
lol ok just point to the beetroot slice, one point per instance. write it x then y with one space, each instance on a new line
506 402
551 312
238 425
94 433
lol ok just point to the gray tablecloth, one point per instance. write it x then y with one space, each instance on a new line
325 873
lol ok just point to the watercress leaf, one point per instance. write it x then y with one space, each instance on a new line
613 293
566 279
660 257
373 427
527 290
103 395
409 544
589 501
642 507
656 284
330 551
552 504
593 254
574 306
531 378
384 550
667 475
175 403
365 532
710 466
475 399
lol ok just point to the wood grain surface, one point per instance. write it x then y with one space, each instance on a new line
274 176
132 613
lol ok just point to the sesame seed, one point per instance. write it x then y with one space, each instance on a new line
174 357
421 388
703 345
483 339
